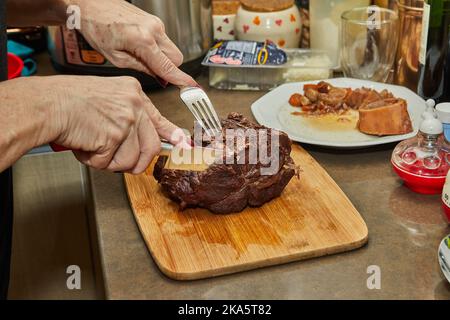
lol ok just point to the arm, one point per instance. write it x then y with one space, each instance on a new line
126 35
110 122
25 13
24 119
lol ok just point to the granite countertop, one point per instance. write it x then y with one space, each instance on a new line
405 230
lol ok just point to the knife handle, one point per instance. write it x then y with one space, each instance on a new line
57 148
166 147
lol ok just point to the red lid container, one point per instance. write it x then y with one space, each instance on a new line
15 66
420 183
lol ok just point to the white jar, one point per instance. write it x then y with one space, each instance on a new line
281 27
224 27
325 22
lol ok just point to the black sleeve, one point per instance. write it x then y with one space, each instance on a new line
6 215
6 195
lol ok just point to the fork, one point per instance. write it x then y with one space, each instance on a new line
198 102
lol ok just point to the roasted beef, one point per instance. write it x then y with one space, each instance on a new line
228 188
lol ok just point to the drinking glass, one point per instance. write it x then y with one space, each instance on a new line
369 38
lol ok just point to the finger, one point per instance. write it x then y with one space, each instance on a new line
170 49
94 159
164 127
123 59
150 145
162 66
127 155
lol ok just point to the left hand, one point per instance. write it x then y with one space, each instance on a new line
131 38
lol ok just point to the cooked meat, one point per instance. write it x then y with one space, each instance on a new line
323 98
380 113
334 97
227 188
312 95
363 96
385 117
324 87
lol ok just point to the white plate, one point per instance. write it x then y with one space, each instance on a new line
274 111
444 257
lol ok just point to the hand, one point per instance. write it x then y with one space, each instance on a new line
111 123
131 38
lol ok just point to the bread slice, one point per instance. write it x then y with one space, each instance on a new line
385 117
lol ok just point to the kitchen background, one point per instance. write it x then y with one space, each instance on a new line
63 231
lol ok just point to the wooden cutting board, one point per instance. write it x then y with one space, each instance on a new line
312 218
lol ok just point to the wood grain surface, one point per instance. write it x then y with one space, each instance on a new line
312 218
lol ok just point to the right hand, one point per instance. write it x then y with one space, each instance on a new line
109 122
132 38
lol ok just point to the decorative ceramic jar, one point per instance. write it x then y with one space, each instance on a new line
276 21
224 16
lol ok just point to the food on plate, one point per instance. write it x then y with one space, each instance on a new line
228 188
323 98
388 113
385 117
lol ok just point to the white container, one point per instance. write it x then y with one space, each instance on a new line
281 27
302 65
224 27
325 22
444 257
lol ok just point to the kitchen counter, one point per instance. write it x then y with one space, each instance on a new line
405 230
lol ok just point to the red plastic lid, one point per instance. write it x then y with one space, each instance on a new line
420 183
15 66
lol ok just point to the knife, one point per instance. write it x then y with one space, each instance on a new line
193 159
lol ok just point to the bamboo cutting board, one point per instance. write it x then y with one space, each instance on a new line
312 218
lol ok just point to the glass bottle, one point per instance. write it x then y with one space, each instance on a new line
434 57
407 61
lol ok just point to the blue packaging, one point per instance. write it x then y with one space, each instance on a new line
243 53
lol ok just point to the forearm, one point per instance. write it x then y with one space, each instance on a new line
26 118
22 13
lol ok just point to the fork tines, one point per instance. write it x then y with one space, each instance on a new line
203 110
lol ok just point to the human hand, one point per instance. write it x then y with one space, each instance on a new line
131 38
109 122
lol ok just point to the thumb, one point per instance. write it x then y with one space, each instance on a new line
166 129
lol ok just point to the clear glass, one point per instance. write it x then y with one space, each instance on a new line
407 60
369 38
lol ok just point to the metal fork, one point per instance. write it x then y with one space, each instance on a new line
197 101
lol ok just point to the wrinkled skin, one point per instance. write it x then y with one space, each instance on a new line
109 122
132 38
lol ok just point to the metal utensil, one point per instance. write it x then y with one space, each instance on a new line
197 101
166 146
194 159
444 257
